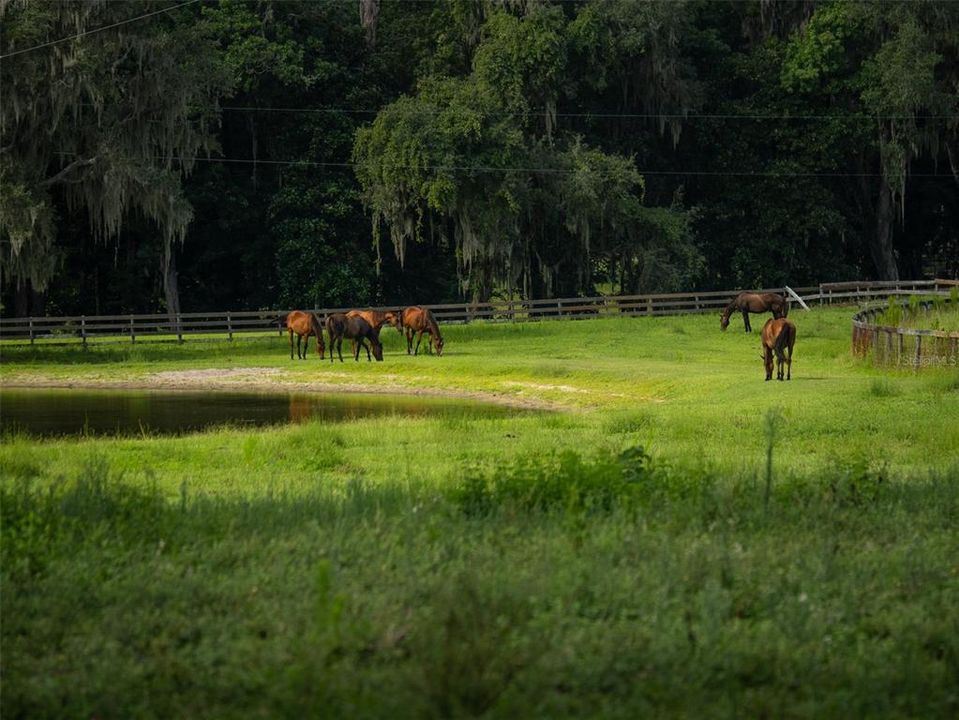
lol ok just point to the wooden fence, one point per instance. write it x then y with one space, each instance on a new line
232 325
906 347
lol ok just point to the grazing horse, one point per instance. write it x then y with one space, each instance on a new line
747 302
305 324
375 318
339 326
420 320
778 336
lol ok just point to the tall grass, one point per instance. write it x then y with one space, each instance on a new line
572 585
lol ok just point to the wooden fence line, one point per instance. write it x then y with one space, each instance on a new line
906 347
232 324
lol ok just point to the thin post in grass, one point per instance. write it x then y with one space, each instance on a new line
773 417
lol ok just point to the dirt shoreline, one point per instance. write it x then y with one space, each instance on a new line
254 380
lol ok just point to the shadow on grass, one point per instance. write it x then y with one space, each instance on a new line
559 586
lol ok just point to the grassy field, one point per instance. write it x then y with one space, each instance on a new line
673 537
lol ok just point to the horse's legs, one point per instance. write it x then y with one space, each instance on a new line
768 363
367 348
789 363
306 345
291 344
419 339
339 348
746 321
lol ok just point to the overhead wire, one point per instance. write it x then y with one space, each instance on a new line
542 170
96 30
601 115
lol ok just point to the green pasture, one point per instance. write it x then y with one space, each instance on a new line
670 536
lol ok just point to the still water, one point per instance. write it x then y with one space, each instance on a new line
50 413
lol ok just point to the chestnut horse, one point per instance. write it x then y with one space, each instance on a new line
778 336
375 318
420 320
305 324
747 302
339 326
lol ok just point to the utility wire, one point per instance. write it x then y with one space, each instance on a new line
603 115
545 170
96 30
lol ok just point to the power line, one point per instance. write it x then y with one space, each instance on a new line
603 115
96 30
546 170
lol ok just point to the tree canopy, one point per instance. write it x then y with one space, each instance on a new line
264 153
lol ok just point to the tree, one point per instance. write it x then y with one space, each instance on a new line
106 122
894 62
478 162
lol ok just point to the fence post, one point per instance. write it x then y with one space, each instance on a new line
649 306
133 336
31 331
83 330
899 348
179 329
918 358
229 325
559 308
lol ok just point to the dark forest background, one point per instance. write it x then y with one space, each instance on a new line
243 154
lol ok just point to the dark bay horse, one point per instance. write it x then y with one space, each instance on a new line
747 302
339 326
778 336
420 320
305 324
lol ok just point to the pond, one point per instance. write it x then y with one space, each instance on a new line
51 413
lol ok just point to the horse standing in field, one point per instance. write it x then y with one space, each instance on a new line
778 336
339 326
420 320
376 319
747 302
305 324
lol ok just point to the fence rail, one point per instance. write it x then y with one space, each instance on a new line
135 328
907 347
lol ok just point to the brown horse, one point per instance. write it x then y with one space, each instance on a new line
339 326
376 319
305 324
778 336
747 302
420 320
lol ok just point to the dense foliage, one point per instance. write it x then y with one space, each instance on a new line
222 154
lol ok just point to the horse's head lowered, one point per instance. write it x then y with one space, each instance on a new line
439 345
724 319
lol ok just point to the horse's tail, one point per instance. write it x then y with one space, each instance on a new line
785 339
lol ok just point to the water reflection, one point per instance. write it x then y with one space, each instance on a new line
47 413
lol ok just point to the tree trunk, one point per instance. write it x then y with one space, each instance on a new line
170 289
880 244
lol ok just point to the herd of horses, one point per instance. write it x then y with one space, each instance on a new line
362 329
